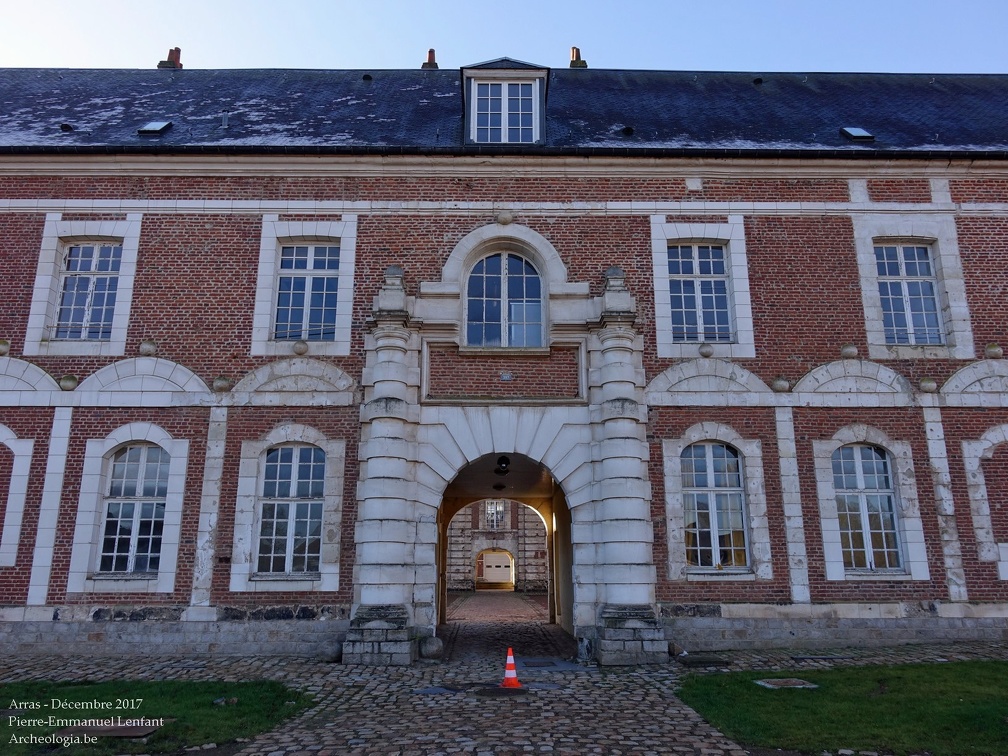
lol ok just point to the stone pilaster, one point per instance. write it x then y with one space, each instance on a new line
618 540
387 571
794 520
955 575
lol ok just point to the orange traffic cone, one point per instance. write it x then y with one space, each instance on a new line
510 674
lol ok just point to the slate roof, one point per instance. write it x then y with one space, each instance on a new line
588 112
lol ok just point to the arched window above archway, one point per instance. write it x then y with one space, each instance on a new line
504 302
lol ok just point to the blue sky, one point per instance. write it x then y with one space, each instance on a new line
926 36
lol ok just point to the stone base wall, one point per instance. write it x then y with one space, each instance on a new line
725 634
303 638
630 635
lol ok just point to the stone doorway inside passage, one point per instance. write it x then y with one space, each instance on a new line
504 552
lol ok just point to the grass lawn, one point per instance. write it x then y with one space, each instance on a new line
947 709
201 712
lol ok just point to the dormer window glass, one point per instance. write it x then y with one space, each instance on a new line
505 111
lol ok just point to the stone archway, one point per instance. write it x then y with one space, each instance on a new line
515 478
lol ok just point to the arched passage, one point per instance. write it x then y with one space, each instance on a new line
517 479
495 568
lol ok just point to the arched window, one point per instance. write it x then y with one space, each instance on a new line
714 506
290 535
135 509
866 508
504 306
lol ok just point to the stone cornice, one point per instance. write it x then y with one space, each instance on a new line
493 166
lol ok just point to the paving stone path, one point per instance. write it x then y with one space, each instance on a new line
455 705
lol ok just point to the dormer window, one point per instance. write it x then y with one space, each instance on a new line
504 102
506 111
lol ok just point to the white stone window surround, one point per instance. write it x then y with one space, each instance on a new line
938 231
84 576
17 490
751 452
909 525
974 453
504 77
244 555
731 236
276 233
57 234
441 304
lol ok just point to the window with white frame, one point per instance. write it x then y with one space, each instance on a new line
866 508
83 287
701 285
290 534
290 485
698 293
304 289
495 515
868 505
307 292
506 111
129 513
89 280
912 286
135 510
504 304
714 505
908 292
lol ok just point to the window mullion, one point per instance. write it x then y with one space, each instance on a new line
505 111
137 510
291 520
134 534
863 508
88 316
701 321
306 309
505 328
712 507
866 529
905 295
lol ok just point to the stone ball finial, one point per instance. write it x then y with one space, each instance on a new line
4 347
148 348
928 385
300 347
849 351
706 350
994 351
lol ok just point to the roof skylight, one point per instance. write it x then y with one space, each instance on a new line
857 134
154 128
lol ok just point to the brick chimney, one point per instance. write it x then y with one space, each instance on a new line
431 63
576 61
174 59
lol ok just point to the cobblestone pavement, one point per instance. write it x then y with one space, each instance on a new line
456 705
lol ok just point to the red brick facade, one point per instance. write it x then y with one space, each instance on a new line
195 292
